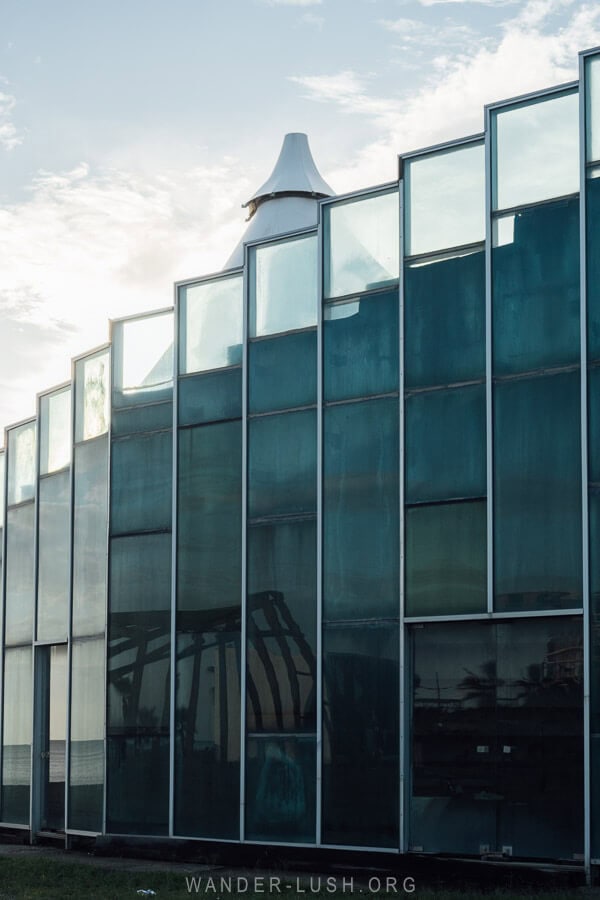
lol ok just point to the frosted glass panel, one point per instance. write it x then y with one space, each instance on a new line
445 200
210 321
592 102
143 351
536 151
16 751
92 396
361 244
55 432
283 286
2 461
21 463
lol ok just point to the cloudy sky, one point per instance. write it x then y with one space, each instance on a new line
131 132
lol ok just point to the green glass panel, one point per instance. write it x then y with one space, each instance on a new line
138 674
446 444
207 745
90 522
55 431
21 463
446 559
281 629
137 795
282 463
210 521
283 286
594 524
53 557
282 372
140 576
537 493
593 265
18 610
535 303
16 746
360 557
360 341
360 735
281 788
210 397
136 419
86 749
141 483
210 324
444 320
92 396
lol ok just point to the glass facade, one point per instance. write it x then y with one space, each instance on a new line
312 558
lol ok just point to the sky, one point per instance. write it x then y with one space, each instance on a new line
131 132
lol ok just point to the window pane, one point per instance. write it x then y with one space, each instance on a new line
446 559
283 286
210 520
134 764
282 602
282 464
137 419
536 151
54 540
55 431
21 463
86 754
92 410
360 736
141 483
16 750
361 347
444 320
593 263
537 493
361 510
446 444
142 359
282 372
90 518
2 493
207 746
208 398
535 304
592 102
20 530
140 577
361 244
445 199
280 788
210 321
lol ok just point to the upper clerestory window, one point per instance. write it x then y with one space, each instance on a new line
210 324
283 286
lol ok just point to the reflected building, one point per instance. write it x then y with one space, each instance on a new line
310 557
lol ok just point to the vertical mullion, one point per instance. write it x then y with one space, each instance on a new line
37 695
403 755
107 573
319 573
173 646
70 606
488 362
2 617
243 616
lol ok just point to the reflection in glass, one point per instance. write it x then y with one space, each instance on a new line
90 517
592 104
282 464
593 263
86 759
16 749
361 244
21 463
536 150
92 413
210 397
148 558
283 286
134 763
18 614
282 372
210 324
142 358
141 483
54 557
55 431
445 199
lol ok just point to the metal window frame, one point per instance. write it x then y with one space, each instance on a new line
244 545
178 329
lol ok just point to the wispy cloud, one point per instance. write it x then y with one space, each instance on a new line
421 36
493 3
9 136
293 2
312 19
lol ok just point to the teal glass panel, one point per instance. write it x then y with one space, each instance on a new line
592 108
92 396
142 358
141 483
207 743
210 397
593 264
210 324
362 244
281 788
54 540
86 749
90 524
537 493
444 199
535 148
282 372
137 419
282 464
16 746
360 735
209 534
360 341
55 431
446 444
360 557
137 784
535 303
283 286
19 562
21 464
281 629
138 673
444 320
140 578
593 402
446 559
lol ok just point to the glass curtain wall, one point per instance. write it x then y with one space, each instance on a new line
139 611
360 606
209 559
